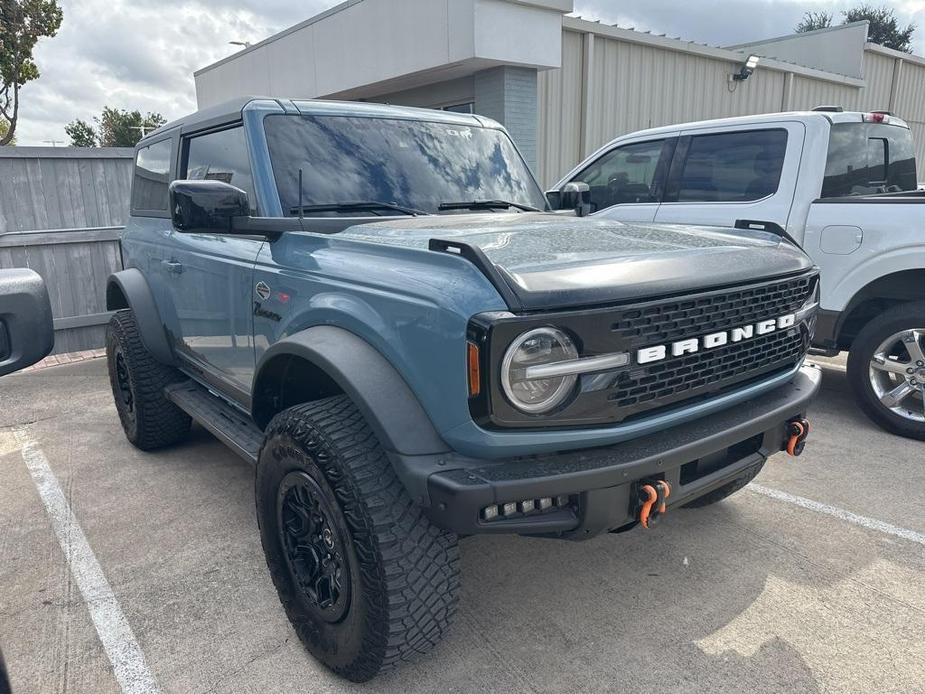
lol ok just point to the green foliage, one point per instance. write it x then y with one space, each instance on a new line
114 128
121 128
4 129
814 20
81 133
884 27
22 24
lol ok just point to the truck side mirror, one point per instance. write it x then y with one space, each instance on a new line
576 195
206 206
27 331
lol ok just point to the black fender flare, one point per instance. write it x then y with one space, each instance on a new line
129 289
391 409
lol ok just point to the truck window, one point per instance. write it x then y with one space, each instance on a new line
152 174
866 158
415 164
732 167
625 174
222 156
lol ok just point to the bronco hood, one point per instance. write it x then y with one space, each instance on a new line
556 261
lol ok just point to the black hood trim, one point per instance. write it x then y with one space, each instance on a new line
477 257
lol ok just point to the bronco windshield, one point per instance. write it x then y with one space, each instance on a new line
410 164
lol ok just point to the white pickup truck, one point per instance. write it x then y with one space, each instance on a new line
842 185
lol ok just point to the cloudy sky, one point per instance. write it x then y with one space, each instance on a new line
140 54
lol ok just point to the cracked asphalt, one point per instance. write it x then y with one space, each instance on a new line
754 594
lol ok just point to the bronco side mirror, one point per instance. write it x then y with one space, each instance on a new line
27 331
206 206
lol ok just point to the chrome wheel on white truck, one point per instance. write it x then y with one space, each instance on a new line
886 368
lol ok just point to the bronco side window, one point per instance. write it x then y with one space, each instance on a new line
221 156
152 175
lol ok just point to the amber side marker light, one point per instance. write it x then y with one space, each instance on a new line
475 378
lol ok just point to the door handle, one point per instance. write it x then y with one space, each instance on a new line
173 266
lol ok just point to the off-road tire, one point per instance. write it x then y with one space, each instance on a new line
403 570
151 421
727 489
896 319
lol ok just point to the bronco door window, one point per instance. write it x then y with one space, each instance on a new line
152 176
221 156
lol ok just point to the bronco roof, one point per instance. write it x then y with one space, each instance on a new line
232 110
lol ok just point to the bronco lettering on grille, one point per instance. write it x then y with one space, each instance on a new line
647 355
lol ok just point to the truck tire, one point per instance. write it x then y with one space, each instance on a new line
149 419
886 370
366 580
727 489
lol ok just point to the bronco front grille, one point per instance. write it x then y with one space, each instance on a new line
645 389
650 386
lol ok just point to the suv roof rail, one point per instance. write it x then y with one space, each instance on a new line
829 109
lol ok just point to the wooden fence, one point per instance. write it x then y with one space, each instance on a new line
62 210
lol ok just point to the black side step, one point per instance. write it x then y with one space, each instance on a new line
230 426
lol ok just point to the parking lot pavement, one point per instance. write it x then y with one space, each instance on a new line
755 594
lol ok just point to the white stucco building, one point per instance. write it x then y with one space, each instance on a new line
560 84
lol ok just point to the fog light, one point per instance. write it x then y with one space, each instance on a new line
545 503
527 506
509 509
489 513
562 500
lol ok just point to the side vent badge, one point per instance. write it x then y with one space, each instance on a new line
263 290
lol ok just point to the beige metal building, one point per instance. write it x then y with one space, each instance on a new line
561 85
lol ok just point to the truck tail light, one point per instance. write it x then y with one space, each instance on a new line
475 376
877 117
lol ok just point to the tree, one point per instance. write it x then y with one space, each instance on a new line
114 128
22 24
121 128
814 20
884 27
81 133
4 129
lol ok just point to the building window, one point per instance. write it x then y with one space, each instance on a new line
152 175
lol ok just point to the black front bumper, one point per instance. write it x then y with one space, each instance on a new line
601 483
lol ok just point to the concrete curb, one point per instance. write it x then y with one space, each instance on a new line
66 358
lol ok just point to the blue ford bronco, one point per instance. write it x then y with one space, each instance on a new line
373 306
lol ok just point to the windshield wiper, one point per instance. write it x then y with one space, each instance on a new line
486 205
370 205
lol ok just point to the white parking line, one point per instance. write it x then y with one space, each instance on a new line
863 521
128 662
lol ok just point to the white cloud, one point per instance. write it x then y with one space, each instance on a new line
141 54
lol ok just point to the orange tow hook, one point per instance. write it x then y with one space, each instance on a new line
797 431
654 495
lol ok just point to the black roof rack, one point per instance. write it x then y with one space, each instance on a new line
829 109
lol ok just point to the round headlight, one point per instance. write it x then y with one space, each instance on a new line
535 348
